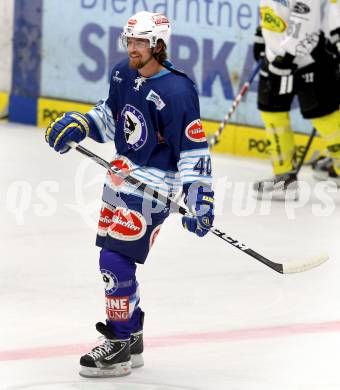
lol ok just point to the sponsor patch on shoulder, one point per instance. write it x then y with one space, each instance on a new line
195 132
271 21
127 225
301 8
155 98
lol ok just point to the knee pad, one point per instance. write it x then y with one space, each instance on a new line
281 138
119 273
121 292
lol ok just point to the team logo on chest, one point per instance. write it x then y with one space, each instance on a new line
135 128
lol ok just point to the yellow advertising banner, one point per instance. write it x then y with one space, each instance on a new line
50 109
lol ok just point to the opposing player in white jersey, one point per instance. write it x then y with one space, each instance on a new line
324 165
152 115
334 25
297 62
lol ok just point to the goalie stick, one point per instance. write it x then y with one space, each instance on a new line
288 268
215 139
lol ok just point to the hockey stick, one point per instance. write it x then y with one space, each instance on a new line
291 267
304 154
215 139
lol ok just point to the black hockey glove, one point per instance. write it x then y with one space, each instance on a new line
319 51
335 40
280 75
282 65
259 47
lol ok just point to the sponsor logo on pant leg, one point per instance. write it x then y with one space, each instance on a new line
127 225
154 235
105 219
117 308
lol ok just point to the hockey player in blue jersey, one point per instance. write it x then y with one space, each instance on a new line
152 115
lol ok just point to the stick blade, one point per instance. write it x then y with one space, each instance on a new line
304 265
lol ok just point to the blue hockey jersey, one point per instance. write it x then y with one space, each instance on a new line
156 127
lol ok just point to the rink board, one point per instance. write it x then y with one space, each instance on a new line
211 41
3 102
236 139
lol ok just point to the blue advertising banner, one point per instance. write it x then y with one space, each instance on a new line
26 67
211 41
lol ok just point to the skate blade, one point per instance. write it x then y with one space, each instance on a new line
137 360
331 181
320 176
116 370
280 196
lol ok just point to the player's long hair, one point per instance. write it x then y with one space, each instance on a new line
162 55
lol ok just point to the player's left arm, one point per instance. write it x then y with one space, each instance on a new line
303 35
98 124
334 25
194 163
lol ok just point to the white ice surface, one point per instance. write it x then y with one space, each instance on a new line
215 318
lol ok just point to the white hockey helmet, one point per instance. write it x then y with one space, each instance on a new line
147 25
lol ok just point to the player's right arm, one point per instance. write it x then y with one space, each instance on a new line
98 124
274 25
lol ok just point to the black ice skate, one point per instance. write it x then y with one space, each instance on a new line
279 187
110 359
333 176
321 167
137 346
324 170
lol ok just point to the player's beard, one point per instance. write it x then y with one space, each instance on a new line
137 63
